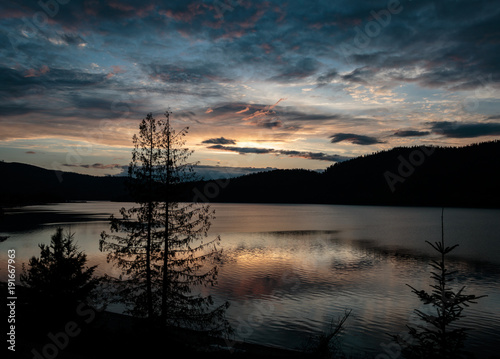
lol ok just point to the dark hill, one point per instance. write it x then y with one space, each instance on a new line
23 184
459 176
417 176
278 186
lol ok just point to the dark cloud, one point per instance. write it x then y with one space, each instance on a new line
186 115
91 102
242 150
287 41
294 115
93 57
299 69
406 49
25 82
327 77
355 139
14 84
280 116
320 156
220 141
17 108
30 152
466 130
300 154
73 39
411 133
269 123
361 75
193 73
207 172
256 36
65 79
233 107
99 166
215 172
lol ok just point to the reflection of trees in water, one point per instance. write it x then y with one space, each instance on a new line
404 257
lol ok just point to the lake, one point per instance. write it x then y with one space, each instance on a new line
289 270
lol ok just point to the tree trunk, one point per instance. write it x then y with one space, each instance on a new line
149 293
166 237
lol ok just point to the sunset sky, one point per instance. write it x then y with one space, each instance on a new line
261 84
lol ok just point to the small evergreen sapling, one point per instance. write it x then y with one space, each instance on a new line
439 337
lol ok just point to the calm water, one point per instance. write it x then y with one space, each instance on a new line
290 269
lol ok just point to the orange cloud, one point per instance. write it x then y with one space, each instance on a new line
35 73
185 16
267 48
263 112
117 69
273 106
30 73
244 110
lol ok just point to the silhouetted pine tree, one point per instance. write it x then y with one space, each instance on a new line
58 280
438 337
163 255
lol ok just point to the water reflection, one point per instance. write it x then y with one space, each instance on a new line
309 277
288 270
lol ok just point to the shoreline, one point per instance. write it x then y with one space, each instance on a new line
114 334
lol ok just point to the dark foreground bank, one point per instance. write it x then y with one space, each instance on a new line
91 333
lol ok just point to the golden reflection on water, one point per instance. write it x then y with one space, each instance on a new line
289 270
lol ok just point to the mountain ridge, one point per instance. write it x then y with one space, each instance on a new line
465 176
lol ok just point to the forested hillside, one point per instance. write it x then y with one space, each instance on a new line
435 176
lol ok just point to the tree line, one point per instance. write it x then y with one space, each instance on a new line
414 176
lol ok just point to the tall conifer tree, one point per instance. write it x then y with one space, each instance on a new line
164 253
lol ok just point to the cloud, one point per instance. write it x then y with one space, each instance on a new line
30 152
229 69
276 116
186 12
193 72
117 69
466 48
244 110
268 123
465 130
220 141
98 166
355 139
361 75
299 69
215 172
327 77
267 111
411 133
36 73
320 156
242 150
19 83
73 39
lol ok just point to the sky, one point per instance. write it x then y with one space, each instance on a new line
261 84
